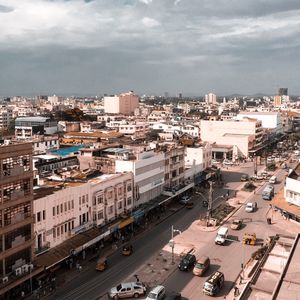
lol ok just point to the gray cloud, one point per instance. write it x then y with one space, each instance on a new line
194 46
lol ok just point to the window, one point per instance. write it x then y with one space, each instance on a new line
54 233
72 204
110 209
100 215
79 200
58 233
100 199
53 211
38 217
120 205
66 206
86 197
83 199
69 205
44 215
66 227
57 209
61 208
129 200
72 224
62 229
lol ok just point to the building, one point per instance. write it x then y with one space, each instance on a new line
123 104
270 121
148 168
6 116
211 99
232 139
27 127
65 209
287 201
16 216
283 91
277 101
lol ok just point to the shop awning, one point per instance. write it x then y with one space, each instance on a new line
126 222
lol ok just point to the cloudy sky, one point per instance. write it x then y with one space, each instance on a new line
150 46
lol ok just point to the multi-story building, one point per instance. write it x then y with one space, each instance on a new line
244 137
16 215
124 104
174 166
210 98
64 209
6 116
27 127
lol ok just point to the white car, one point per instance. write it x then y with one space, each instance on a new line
227 162
250 207
184 200
127 290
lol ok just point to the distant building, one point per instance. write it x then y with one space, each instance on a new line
210 98
6 116
277 101
27 127
123 104
283 91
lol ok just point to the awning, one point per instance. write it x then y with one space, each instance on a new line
138 214
96 239
126 222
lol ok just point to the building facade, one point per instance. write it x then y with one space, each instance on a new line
16 215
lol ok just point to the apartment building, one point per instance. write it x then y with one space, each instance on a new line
244 137
6 116
64 209
123 104
174 166
16 215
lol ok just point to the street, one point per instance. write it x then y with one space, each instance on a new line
228 259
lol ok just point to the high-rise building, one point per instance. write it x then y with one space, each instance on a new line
210 98
277 101
16 215
283 91
124 104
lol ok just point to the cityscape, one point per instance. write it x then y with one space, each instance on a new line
142 155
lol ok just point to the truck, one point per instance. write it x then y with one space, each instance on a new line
268 192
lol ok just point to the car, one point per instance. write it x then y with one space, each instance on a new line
227 162
127 290
187 262
251 207
244 177
189 204
236 224
184 199
157 293
201 266
173 296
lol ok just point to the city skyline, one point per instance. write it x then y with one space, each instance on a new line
149 46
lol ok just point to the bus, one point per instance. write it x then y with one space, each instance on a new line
268 192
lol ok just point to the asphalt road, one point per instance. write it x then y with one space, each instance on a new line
90 284
228 258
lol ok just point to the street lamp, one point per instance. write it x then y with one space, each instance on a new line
172 242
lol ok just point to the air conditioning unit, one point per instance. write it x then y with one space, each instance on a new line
18 271
5 279
30 266
25 268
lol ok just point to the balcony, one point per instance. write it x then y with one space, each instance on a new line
19 221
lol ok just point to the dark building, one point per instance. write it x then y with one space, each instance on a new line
283 91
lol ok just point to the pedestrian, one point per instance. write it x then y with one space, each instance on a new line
236 291
23 294
137 278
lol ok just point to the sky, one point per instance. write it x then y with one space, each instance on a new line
193 47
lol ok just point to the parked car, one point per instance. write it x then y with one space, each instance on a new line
251 207
244 177
157 293
127 290
236 224
227 162
187 262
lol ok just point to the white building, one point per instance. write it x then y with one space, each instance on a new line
210 98
148 168
63 210
292 187
243 136
270 121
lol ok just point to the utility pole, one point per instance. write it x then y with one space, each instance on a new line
209 207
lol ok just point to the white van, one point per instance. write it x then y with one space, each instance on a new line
221 236
273 179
